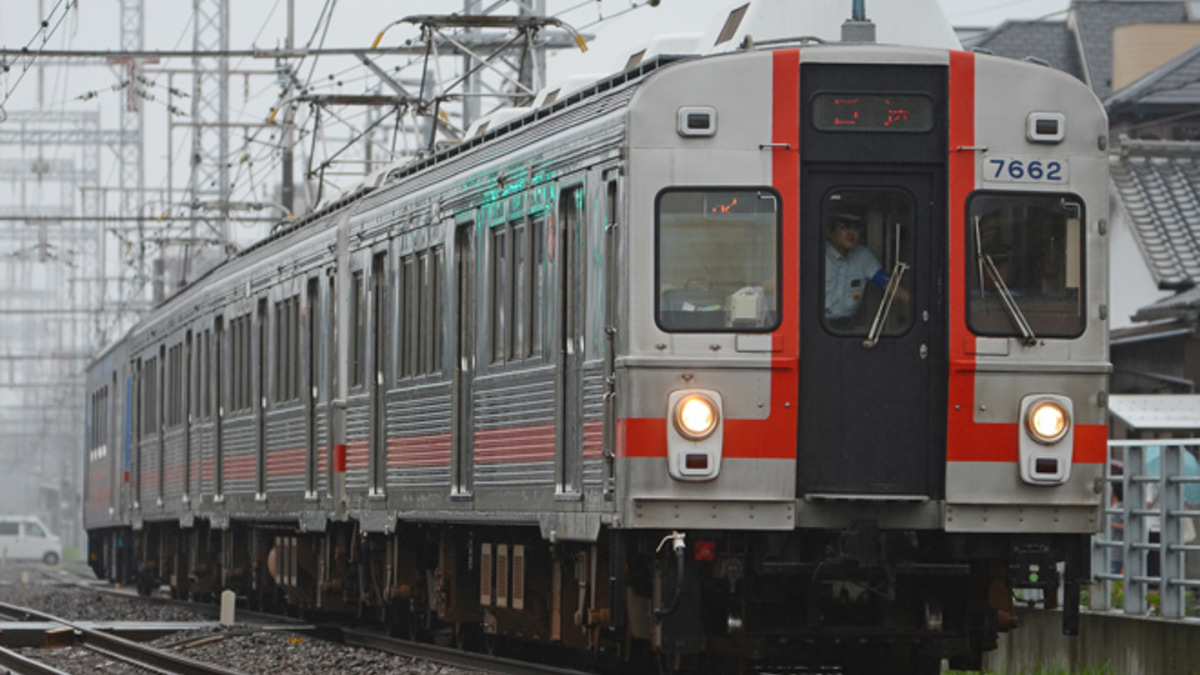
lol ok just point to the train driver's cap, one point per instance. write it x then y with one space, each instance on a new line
847 220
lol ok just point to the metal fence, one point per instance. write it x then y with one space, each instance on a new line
1149 545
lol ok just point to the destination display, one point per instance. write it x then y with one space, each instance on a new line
872 112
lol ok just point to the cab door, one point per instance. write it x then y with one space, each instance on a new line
869 357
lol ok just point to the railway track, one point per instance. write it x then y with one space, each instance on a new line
110 646
467 661
452 657
255 633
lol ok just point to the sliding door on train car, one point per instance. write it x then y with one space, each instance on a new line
260 402
219 399
378 335
465 324
572 329
871 335
312 357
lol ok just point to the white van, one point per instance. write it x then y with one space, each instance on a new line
26 538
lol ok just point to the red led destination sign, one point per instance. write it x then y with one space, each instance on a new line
873 112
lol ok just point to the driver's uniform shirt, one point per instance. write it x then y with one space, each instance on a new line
846 279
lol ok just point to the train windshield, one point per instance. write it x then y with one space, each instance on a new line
718 260
868 274
1025 271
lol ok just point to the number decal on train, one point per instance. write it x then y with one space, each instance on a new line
1025 170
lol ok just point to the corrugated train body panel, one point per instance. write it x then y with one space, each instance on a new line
148 462
594 388
419 440
202 473
173 467
515 430
324 450
239 461
358 450
286 452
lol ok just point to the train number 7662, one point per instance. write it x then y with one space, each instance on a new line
1025 170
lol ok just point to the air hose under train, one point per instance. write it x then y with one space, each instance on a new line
680 547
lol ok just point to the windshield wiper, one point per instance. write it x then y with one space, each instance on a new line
885 306
987 269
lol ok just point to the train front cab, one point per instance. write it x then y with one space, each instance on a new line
891 474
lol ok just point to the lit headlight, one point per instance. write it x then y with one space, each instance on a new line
1047 421
696 417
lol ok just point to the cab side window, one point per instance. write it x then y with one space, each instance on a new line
34 530
1025 277
718 260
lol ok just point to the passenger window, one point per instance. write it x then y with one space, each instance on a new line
403 337
425 321
1025 269
34 530
9 529
436 301
150 396
412 317
718 260
518 292
537 285
500 292
358 333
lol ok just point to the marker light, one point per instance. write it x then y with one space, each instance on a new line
1048 421
695 417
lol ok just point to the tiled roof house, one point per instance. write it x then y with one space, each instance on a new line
1142 58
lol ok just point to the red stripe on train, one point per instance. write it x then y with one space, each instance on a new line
963 436
239 468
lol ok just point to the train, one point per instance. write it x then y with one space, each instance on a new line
783 351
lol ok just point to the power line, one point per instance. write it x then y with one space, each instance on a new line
550 40
24 51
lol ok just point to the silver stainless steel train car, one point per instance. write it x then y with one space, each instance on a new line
605 377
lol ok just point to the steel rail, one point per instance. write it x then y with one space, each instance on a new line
15 663
122 649
446 655
377 641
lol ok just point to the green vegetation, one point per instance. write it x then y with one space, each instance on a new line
1191 600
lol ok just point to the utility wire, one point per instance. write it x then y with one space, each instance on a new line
45 23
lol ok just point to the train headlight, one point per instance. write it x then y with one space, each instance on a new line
695 434
696 417
1046 444
1048 421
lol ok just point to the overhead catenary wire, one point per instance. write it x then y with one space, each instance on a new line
32 56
